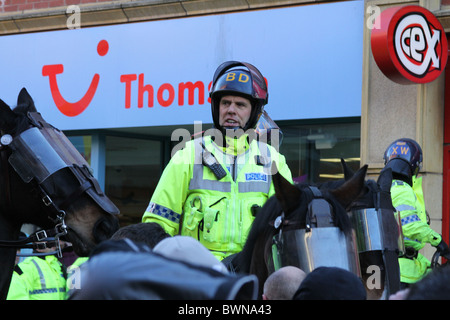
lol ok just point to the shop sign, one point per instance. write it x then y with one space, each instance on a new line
158 73
409 45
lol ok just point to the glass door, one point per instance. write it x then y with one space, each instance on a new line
133 169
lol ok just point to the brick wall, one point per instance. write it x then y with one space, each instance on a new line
22 5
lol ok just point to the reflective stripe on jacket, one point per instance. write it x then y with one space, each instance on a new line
218 213
38 279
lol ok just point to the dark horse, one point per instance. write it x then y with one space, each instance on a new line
69 196
292 200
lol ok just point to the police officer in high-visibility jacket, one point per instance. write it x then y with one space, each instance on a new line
212 188
39 278
404 157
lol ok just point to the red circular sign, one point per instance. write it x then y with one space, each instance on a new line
409 44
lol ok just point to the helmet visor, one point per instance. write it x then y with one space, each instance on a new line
268 129
399 149
258 86
235 81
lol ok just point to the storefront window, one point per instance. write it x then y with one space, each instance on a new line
134 165
313 152
132 173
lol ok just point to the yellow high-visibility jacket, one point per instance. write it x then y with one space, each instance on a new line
190 200
409 202
38 278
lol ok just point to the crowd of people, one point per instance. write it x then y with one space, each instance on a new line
203 207
142 261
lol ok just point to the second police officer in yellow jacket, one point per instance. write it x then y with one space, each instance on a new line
404 157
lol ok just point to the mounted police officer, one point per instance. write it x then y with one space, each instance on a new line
212 188
404 157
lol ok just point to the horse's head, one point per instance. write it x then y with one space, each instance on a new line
292 203
295 199
44 178
374 194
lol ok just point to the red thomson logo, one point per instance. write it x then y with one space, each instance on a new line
410 45
164 95
72 109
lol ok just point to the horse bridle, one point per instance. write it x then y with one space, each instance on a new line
40 238
318 215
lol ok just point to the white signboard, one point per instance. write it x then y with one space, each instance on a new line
158 73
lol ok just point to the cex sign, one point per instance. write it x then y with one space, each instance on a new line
410 45
159 73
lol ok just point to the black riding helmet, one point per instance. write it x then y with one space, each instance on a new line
404 157
240 79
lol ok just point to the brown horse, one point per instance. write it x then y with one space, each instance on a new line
44 181
292 201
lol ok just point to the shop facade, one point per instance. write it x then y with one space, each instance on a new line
127 93
121 77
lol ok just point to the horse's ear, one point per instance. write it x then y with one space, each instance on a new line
286 193
24 100
351 189
348 173
7 117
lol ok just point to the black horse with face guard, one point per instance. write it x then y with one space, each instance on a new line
46 182
277 226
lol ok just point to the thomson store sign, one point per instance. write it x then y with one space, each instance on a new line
159 73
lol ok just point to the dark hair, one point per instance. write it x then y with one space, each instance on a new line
331 283
434 286
150 233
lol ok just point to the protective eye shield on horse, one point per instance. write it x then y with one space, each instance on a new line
44 181
55 171
40 152
43 151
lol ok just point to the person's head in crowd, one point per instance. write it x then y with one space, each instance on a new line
188 249
283 283
149 233
434 286
331 283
